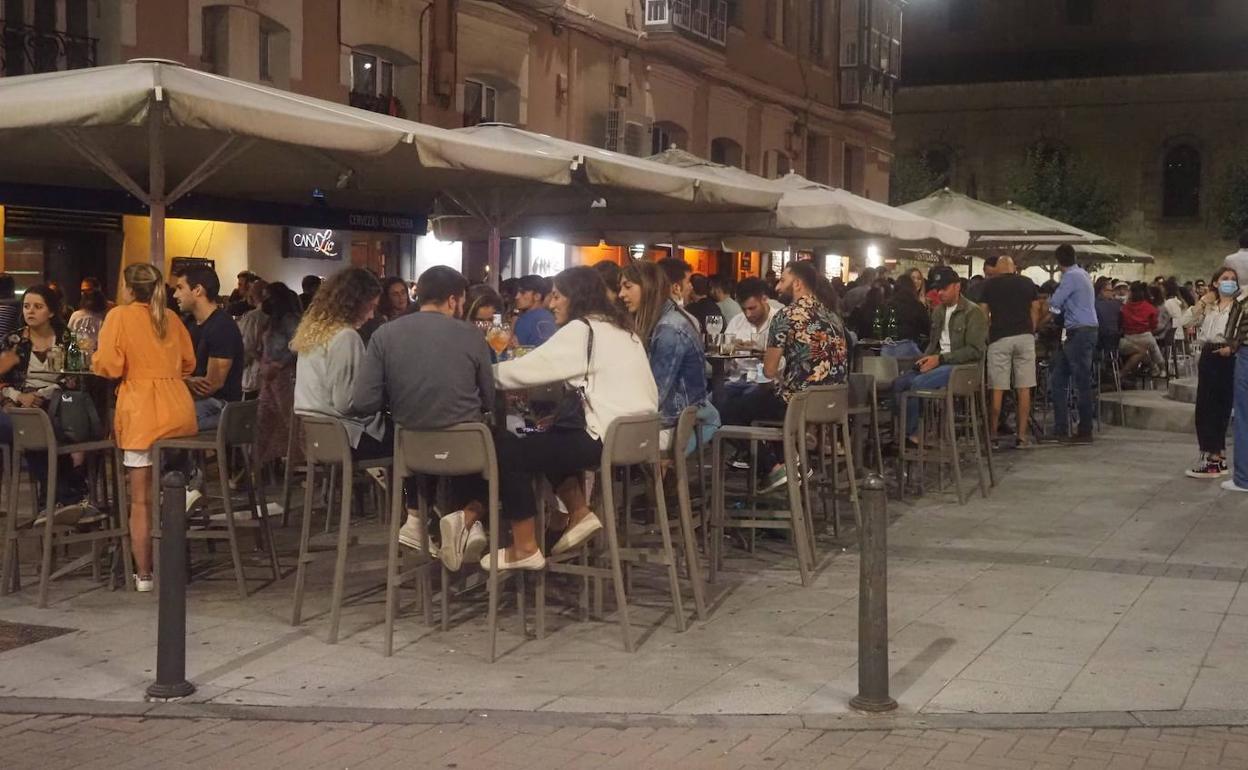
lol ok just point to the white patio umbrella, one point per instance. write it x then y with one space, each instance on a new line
1097 248
144 124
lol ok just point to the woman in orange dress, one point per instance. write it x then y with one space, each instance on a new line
145 345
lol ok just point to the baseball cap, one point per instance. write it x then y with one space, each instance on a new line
941 277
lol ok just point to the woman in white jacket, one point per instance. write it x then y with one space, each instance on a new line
596 353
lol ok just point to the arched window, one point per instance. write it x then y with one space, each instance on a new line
664 135
939 165
1181 182
727 152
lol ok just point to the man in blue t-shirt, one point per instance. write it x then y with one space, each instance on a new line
536 324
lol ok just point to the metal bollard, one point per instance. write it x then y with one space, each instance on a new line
873 601
171 615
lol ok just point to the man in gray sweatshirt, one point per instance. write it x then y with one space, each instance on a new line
432 371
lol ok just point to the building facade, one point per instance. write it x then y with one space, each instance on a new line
770 86
1145 95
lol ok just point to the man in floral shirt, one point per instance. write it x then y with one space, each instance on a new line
805 346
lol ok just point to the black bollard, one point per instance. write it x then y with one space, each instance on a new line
873 601
171 615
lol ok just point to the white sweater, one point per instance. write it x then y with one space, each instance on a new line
620 381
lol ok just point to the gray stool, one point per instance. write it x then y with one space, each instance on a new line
236 431
33 432
460 450
326 444
940 410
828 409
793 437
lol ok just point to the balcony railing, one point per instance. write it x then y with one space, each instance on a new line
706 19
386 105
25 50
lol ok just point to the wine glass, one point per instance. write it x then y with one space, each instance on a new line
714 325
498 338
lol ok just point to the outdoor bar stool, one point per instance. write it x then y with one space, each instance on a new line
236 431
460 450
864 406
940 411
828 409
792 434
326 444
686 523
630 441
33 432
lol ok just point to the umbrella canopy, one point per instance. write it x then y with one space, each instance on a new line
160 131
994 225
1097 248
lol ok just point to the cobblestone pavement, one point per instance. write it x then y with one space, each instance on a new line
51 741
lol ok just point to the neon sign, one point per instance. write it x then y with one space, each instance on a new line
311 243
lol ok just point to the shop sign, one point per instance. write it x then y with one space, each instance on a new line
311 243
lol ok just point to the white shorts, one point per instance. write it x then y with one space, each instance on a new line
136 459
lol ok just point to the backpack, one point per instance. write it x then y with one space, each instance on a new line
75 418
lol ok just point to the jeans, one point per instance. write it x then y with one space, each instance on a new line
912 380
1240 423
208 413
902 349
1073 362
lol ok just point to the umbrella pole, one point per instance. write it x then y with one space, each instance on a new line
156 180
495 255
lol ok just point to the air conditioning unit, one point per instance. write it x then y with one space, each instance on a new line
628 133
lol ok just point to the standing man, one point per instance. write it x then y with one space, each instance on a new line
536 323
218 376
975 289
701 306
396 374
1013 311
1239 260
729 308
959 336
1075 302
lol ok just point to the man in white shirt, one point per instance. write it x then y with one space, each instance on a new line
1239 260
749 330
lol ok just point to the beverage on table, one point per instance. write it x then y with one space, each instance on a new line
498 336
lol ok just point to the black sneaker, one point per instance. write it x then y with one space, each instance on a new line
1078 439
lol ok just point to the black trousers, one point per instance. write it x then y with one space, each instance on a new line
1215 392
464 489
758 404
557 454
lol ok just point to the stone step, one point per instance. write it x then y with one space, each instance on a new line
1182 390
1148 410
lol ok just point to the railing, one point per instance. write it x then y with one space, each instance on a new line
25 50
386 105
706 19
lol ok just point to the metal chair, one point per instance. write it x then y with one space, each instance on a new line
326 444
793 437
33 432
966 389
630 441
236 432
460 450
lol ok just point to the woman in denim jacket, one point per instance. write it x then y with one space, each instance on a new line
674 345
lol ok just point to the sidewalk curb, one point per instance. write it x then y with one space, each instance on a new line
824 722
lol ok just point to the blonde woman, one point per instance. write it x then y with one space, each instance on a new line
145 346
329 349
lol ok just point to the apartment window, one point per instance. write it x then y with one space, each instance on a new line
774 21
1079 13
734 13
266 46
818 25
371 75
776 164
963 15
480 103
665 135
1181 182
727 152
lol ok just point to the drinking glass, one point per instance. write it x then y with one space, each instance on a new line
714 325
498 338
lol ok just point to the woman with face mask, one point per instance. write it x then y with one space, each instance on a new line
1215 388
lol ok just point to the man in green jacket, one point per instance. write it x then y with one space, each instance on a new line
959 336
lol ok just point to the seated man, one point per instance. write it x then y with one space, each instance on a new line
536 323
811 341
218 343
748 330
959 336
431 370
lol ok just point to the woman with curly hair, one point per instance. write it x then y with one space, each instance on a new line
329 349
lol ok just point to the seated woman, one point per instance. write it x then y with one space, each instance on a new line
145 345
674 344
595 352
329 349
483 304
1140 319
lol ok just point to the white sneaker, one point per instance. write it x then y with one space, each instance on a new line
144 585
459 543
534 561
1230 486
577 534
412 535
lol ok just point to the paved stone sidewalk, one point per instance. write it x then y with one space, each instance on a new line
51 742
1092 579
